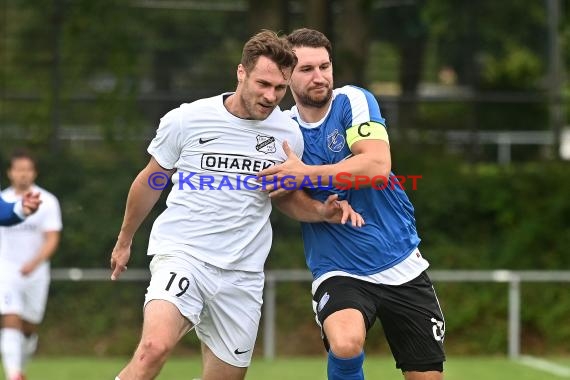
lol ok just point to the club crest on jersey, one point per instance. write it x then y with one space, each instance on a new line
336 141
323 301
265 144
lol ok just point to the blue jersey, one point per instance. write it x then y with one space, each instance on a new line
389 234
7 215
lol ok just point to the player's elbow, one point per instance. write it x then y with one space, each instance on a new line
383 168
379 170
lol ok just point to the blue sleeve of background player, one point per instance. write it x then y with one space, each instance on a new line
7 215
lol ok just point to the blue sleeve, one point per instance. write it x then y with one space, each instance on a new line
7 215
358 106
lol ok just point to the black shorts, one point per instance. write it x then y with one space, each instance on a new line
410 315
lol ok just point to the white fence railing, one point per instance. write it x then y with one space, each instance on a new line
513 278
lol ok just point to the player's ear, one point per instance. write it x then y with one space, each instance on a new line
241 73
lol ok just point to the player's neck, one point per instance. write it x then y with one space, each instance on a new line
234 107
311 114
22 190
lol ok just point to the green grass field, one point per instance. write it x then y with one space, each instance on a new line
456 368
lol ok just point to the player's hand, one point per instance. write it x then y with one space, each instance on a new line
120 258
272 179
28 268
30 203
335 211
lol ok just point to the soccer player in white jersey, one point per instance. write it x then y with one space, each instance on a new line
211 242
25 251
375 272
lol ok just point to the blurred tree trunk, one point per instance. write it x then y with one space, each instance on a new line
352 47
56 77
412 50
268 14
318 14
412 54
163 68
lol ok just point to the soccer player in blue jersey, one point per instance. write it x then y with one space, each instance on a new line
15 212
369 273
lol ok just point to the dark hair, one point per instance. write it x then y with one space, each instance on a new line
309 38
21 153
268 44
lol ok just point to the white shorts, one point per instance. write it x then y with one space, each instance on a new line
223 305
25 296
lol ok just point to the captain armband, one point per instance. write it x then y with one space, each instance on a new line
370 130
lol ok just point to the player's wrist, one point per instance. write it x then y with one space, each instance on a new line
325 214
124 241
19 210
313 172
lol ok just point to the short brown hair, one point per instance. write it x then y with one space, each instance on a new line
268 44
22 153
309 38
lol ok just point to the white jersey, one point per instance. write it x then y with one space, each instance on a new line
21 243
214 211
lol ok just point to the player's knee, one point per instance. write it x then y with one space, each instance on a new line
153 352
347 347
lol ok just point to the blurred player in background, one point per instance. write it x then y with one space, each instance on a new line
25 251
210 245
359 274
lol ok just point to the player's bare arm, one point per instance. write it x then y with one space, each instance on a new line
300 206
140 201
47 250
370 158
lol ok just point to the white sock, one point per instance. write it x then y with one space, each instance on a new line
11 347
117 378
30 346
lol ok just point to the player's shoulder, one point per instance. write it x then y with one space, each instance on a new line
283 125
7 192
353 93
282 117
45 195
358 101
290 113
209 102
187 114
199 105
189 109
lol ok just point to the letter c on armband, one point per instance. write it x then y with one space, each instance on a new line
360 130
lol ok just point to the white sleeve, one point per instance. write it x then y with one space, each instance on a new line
300 144
167 144
19 210
51 214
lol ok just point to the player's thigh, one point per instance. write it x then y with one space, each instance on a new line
344 310
231 319
216 369
12 321
163 326
36 290
175 280
11 294
413 324
345 324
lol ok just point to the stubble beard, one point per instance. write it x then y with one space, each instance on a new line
250 106
309 101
